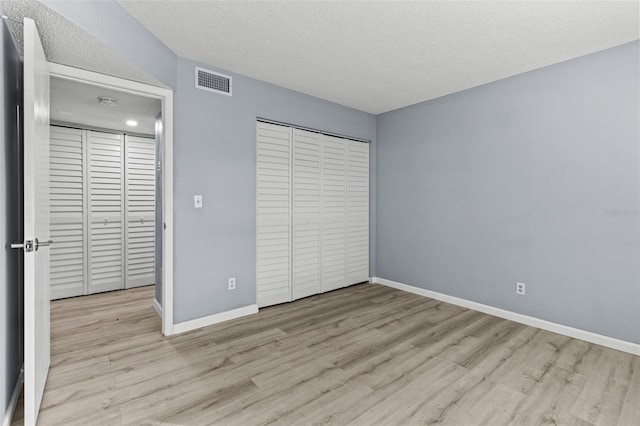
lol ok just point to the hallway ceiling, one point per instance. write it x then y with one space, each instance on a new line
378 56
77 103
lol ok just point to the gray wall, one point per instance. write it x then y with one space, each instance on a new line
11 328
536 179
215 156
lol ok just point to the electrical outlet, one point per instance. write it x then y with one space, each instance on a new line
197 201
520 288
232 283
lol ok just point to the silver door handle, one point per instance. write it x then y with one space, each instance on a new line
27 246
43 244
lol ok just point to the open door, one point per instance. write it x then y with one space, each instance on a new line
36 222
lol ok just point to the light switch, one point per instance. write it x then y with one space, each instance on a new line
197 201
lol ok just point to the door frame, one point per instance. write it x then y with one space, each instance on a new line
166 98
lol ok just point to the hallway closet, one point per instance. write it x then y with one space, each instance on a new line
102 211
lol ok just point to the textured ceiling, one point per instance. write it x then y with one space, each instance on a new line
65 43
378 56
73 102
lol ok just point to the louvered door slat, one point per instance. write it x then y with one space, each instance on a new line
334 213
140 167
106 211
67 265
306 213
357 212
273 211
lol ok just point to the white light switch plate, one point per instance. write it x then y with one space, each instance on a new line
197 201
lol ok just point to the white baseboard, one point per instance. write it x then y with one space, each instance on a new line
11 408
157 307
598 339
214 319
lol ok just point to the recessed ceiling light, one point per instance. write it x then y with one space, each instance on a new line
132 123
107 101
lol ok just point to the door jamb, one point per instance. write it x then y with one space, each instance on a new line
166 97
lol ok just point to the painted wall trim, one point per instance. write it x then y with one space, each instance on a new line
13 402
185 326
598 339
157 307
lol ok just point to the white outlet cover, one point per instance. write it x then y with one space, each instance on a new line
521 288
197 201
232 283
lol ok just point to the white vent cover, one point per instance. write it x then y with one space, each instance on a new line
213 81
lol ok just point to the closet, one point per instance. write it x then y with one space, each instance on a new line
102 211
312 212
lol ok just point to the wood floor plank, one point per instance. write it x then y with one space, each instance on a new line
414 400
601 400
631 405
362 355
496 407
553 391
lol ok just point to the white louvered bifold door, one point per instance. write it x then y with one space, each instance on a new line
106 211
67 264
306 278
140 207
357 212
273 214
334 213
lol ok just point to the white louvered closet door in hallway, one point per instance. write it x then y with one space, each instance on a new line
140 164
106 211
67 263
357 212
103 189
273 214
334 213
306 214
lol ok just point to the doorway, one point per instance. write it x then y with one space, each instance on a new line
103 202
111 112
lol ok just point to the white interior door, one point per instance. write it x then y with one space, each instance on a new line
306 213
106 211
140 171
334 213
273 214
36 222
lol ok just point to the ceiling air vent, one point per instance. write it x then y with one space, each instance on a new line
213 81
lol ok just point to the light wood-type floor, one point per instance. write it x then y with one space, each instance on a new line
365 355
